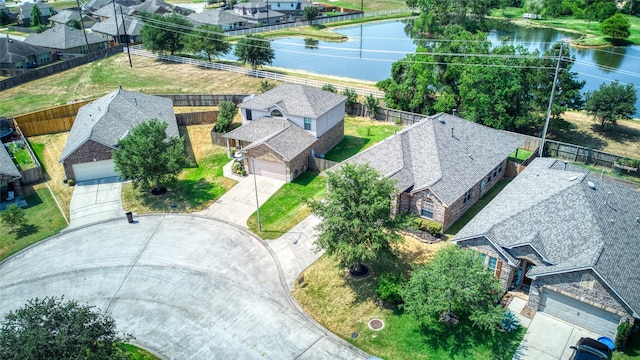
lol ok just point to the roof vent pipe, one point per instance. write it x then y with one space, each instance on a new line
608 196
452 133
602 174
565 166
454 111
136 101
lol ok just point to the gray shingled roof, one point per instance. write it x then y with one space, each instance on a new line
13 50
7 167
281 135
66 15
215 17
426 155
108 26
108 11
94 5
45 9
62 37
295 100
109 118
573 225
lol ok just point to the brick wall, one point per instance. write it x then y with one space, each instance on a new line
86 153
504 271
329 139
412 203
570 284
299 164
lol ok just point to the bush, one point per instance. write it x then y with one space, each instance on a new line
237 167
624 329
243 172
227 111
628 162
329 87
509 321
266 86
432 227
388 288
70 182
352 97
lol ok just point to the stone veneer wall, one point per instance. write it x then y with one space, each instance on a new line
329 139
569 284
481 244
87 152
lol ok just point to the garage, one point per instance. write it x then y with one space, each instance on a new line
270 169
94 170
579 313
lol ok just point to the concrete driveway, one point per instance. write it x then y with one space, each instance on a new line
95 201
237 204
184 286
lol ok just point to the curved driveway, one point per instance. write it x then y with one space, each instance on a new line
184 286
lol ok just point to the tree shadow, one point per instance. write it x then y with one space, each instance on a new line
565 131
346 148
31 196
26 230
188 147
183 195
618 133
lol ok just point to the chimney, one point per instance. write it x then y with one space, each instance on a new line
455 112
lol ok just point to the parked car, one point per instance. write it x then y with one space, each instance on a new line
590 349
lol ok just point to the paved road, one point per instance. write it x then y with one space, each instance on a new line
184 286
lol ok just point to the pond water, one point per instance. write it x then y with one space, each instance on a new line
371 49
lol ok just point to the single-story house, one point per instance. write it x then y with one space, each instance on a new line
100 124
67 41
66 16
24 13
443 164
94 5
158 7
258 13
227 20
282 127
113 29
568 238
9 177
16 56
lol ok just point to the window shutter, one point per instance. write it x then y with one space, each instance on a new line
498 268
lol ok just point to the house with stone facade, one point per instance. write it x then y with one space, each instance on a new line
282 127
100 124
569 239
442 165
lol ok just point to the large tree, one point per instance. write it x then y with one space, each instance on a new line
164 33
148 157
52 328
310 13
35 16
255 50
616 27
435 15
357 224
13 217
454 283
611 103
207 39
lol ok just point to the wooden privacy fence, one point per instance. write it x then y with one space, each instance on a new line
319 165
581 154
204 99
49 121
197 118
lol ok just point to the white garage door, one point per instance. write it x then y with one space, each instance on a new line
94 170
270 169
578 313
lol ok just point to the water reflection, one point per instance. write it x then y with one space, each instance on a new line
608 59
311 44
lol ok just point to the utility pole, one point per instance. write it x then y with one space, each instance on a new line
553 91
82 25
255 185
115 18
268 13
126 37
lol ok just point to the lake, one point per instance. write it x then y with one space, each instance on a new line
371 48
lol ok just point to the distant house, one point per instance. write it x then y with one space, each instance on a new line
282 127
292 9
94 5
567 238
158 7
100 124
16 56
65 17
227 20
13 16
24 13
67 41
114 30
442 165
258 13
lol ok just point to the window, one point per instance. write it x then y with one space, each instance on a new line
467 196
307 124
426 208
495 172
276 113
493 262
482 257
248 114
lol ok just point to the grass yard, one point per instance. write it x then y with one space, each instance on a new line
578 128
22 157
519 155
286 208
48 149
43 220
344 306
631 351
137 353
475 209
196 188
359 134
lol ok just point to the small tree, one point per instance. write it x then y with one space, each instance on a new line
616 27
255 50
329 87
52 328
352 98
226 112
310 13
356 217
454 283
4 17
611 103
13 217
265 85
36 16
371 102
208 39
75 23
149 158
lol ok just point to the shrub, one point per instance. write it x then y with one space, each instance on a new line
243 172
266 86
372 104
352 97
628 162
70 182
624 329
388 288
329 87
509 321
432 227
237 167
227 111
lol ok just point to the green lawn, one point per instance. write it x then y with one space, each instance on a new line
22 157
359 134
43 220
286 208
137 353
520 155
475 209
631 351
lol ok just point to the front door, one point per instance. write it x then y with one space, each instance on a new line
521 281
